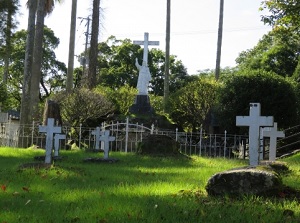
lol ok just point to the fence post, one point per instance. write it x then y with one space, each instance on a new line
32 132
152 129
126 135
80 125
8 132
142 129
225 132
176 136
200 141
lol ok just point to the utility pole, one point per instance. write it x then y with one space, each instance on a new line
167 56
83 60
219 44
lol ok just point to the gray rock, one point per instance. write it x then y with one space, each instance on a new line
245 181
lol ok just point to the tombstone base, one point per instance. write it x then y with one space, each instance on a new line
101 160
141 105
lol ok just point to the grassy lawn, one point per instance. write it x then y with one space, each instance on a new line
135 189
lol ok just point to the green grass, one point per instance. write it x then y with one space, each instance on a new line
135 189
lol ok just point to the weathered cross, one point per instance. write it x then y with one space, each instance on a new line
49 129
57 137
106 139
273 134
254 121
146 43
97 134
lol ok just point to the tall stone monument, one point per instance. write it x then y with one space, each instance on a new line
142 100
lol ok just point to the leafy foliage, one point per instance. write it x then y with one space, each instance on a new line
83 107
277 95
117 66
53 71
282 13
191 106
3 96
122 98
276 52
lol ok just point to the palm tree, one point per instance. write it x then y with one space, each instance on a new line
11 8
33 57
93 54
25 117
167 62
219 44
69 84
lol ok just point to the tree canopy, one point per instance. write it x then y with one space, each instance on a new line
53 71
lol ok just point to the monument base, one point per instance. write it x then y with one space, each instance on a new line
141 105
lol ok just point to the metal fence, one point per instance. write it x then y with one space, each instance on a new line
127 137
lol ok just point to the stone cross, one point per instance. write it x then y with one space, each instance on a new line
97 134
49 129
273 134
254 121
106 139
146 43
57 137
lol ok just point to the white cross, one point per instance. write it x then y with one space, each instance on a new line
49 129
97 134
146 43
254 121
106 139
273 134
57 137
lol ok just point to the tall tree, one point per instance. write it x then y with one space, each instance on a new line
282 13
37 59
25 116
167 62
69 83
219 44
8 9
53 71
93 54
32 66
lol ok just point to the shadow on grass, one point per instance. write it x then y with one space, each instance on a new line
135 189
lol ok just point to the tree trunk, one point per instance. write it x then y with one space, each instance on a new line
8 44
69 84
167 57
219 44
25 118
94 45
37 60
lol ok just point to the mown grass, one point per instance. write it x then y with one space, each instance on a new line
135 189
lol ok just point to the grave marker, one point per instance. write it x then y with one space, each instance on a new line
49 129
254 121
106 139
273 134
57 137
97 134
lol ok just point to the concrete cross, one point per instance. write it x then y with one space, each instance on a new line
57 137
254 121
97 134
146 43
273 134
49 129
106 139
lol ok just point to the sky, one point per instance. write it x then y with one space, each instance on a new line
194 27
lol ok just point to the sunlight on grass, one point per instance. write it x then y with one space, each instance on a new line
135 189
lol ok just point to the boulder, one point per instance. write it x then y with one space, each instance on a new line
245 181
